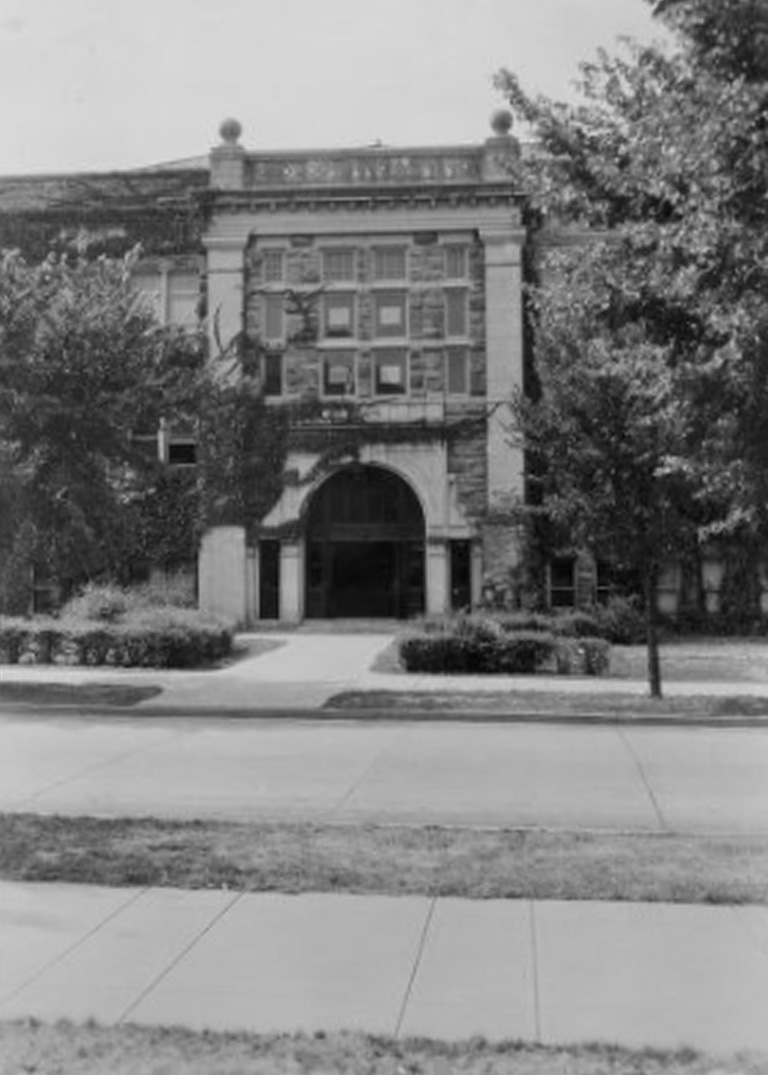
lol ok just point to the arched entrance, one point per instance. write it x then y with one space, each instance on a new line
365 547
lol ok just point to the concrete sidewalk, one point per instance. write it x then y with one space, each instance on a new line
658 975
308 669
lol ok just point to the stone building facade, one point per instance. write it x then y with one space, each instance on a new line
383 288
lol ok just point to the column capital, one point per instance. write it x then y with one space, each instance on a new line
502 231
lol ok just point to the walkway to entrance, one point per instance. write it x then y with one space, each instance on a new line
365 547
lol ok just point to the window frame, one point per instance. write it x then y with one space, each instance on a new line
379 358
379 275
272 252
332 277
453 249
464 352
395 296
338 355
449 294
276 359
339 297
277 299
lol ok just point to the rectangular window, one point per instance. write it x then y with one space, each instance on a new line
338 265
389 263
562 584
456 313
182 451
272 374
390 372
180 444
455 262
391 313
273 262
339 315
183 299
150 287
274 318
338 373
457 371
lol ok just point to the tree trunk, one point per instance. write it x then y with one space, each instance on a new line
651 631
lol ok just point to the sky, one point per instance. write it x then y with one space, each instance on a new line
92 85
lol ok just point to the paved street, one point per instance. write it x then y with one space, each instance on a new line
648 779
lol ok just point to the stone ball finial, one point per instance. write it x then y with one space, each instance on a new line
501 122
230 130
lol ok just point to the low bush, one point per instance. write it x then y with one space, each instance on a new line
620 621
145 637
98 601
472 649
576 625
582 656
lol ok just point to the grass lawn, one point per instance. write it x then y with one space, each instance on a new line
682 660
124 1050
560 704
391 860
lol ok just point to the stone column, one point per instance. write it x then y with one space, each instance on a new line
438 590
222 573
504 358
291 582
504 364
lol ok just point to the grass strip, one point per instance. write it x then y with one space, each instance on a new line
91 1049
107 694
389 860
552 702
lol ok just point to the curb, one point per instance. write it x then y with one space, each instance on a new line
363 715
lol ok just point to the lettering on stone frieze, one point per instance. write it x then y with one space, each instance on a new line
374 168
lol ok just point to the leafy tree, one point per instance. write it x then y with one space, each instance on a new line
83 366
656 338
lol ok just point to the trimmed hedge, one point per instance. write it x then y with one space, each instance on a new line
498 646
470 652
167 638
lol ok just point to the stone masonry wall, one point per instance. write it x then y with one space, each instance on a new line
426 314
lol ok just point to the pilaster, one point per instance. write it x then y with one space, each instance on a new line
222 573
438 592
504 358
291 582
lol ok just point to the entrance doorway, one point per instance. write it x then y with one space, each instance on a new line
365 547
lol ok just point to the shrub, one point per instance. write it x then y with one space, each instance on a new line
98 601
621 621
576 625
473 649
170 591
163 638
14 636
582 656
523 653
525 621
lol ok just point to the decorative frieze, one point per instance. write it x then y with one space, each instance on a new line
369 167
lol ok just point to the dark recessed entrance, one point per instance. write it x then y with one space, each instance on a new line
365 547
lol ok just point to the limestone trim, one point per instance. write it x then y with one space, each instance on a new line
423 467
239 228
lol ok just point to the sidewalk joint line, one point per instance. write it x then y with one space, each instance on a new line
646 783
135 896
535 972
369 768
416 965
178 958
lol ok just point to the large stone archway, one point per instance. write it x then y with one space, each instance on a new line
365 541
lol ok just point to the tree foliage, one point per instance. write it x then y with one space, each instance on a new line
652 335
84 366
